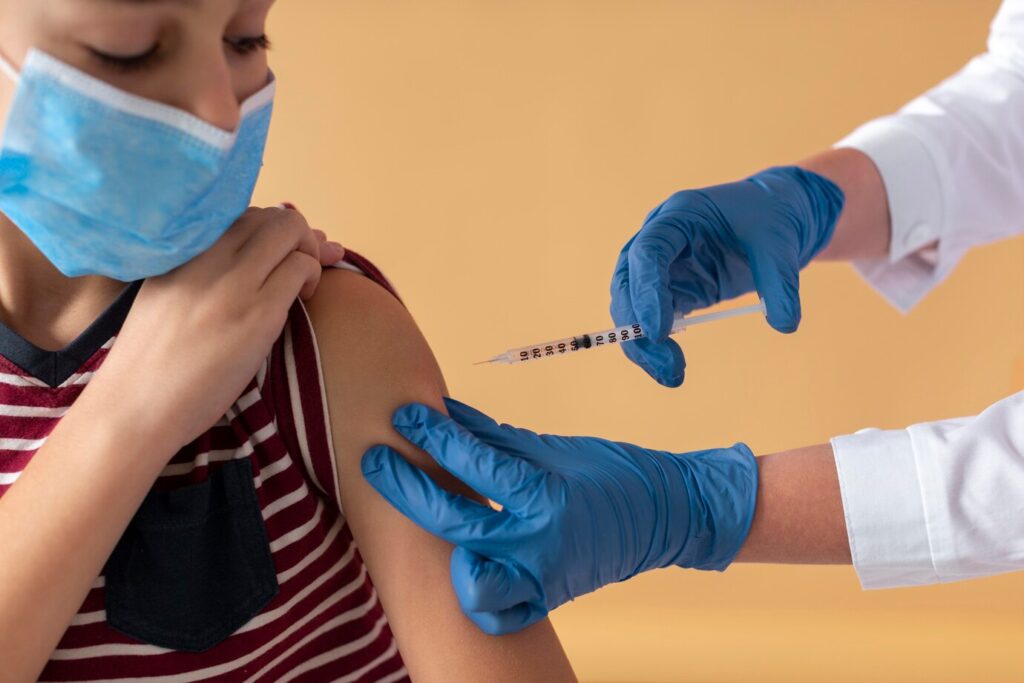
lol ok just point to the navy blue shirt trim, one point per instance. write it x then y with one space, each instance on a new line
54 367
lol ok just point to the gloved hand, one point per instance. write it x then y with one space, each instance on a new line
578 512
705 246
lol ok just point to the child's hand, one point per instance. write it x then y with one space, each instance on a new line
196 336
330 252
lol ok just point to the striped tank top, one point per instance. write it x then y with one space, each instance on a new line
239 565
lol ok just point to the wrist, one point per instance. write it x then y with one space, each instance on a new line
130 419
863 228
718 494
813 201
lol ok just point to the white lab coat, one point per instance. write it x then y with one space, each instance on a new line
944 501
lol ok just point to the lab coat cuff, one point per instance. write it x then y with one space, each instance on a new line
914 188
886 521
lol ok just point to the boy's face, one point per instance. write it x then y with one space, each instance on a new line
202 56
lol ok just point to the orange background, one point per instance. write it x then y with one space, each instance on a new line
493 156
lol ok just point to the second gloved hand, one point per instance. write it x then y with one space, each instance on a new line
704 246
578 512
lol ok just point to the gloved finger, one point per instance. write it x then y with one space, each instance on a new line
487 429
777 280
505 438
501 476
663 361
508 621
653 213
454 518
622 305
485 585
650 256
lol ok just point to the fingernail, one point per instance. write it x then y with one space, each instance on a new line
289 205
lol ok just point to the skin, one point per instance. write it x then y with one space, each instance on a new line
202 76
798 517
82 487
85 483
799 513
409 566
72 497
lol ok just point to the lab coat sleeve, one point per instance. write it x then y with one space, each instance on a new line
952 162
937 502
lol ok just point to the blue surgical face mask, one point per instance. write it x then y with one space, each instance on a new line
108 183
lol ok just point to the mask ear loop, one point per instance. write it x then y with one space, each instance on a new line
8 69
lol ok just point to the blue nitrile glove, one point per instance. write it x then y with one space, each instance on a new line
578 512
705 246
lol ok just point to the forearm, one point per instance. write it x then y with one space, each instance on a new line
862 230
799 516
60 521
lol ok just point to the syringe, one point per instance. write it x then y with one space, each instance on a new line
617 335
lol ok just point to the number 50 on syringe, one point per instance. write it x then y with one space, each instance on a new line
617 335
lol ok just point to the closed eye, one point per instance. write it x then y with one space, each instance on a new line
126 62
248 44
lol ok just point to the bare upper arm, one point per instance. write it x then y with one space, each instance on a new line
375 359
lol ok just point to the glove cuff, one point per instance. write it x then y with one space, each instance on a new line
722 487
815 201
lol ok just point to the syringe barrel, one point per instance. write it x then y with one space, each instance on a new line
561 347
617 335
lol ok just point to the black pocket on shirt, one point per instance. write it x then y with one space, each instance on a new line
194 564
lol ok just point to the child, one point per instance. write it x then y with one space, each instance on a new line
178 433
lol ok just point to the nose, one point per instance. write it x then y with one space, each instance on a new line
212 95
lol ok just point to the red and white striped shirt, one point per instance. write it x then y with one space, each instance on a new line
325 623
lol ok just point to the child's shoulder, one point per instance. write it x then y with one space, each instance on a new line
362 327
368 343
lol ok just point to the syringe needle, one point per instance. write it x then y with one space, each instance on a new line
500 358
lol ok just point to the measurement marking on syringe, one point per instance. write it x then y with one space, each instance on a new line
618 335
